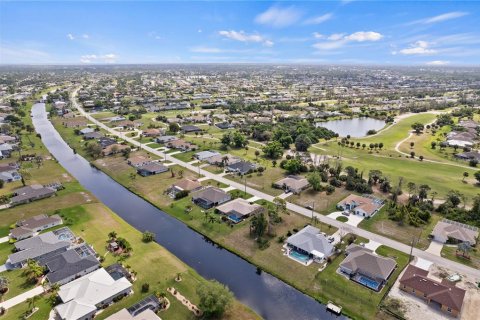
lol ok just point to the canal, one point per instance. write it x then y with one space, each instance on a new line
267 295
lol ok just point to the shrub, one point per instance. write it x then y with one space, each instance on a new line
145 287
181 194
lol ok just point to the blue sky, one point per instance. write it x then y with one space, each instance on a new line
324 32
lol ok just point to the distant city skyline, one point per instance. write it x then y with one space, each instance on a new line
426 33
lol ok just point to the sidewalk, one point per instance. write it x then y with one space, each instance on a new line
21 297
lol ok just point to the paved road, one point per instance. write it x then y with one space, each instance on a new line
293 207
22 297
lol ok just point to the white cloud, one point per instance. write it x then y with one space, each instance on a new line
440 18
362 36
438 63
245 37
85 36
418 48
93 58
279 17
336 36
199 31
318 35
70 36
206 50
338 40
319 19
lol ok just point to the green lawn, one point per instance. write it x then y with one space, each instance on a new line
474 261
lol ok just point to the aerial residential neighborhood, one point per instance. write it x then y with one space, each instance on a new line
239 160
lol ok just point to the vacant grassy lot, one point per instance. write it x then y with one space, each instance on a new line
262 182
381 224
324 204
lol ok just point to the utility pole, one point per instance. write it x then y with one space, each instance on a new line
245 183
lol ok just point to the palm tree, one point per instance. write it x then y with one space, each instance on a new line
112 235
465 175
31 302
211 219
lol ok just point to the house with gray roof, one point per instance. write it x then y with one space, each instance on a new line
308 245
70 265
203 155
448 231
210 197
41 247
241 167
31 193
29 227
291 183
239 209
9 173
151 168
366 268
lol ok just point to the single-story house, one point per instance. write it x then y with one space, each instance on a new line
180 144
9 173
5 150
362 206
311 243
203 155
29 227
165 139
468 155
221 159
190 128
106 142
367 268
454 232
151 168
86 130
445 294
83 297
143 310
223 125
70 265
31 193
184 185
114 148
210 197
241 167
42 246
92 135
294 184
239 209
154 132
137 161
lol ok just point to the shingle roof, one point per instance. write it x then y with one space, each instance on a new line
239 206
28 225
211 194
451 229
367 263
310 239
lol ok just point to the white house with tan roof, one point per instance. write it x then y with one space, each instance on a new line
456 232
362 206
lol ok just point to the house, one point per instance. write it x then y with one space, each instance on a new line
184 185
70 265
42 246
182 145
448 231
223 159
443 294
223 125
137 161
203 155
92 135
210 197
241 167
5 150
29 227
239 209
294 184
31 193
152 132
86 130
165 139
9 173
362 206
367 268
142 310
190 128
114 148
106 141
151 168
83 297
468 155
308 245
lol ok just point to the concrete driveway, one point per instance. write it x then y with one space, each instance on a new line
3 268
353 220
435 248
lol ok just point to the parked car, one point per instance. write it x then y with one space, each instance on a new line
331 239
346 213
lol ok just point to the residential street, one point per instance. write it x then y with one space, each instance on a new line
463 269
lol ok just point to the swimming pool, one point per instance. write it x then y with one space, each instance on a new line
369 283
234 218
299 256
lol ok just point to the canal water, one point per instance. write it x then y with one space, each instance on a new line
264 293
356 127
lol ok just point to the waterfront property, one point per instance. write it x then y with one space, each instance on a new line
443 295
83 297
29 227
143 310
31 193
70 265
309 245
151 168
239 209
41 247
359 205
294 184
210 197
364 267
448 231
184 185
